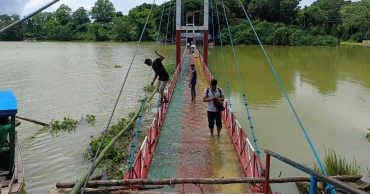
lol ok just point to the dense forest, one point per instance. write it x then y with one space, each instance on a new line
278 22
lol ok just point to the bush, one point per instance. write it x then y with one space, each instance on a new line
337 165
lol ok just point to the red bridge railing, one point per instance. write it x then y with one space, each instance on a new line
252 165
145 155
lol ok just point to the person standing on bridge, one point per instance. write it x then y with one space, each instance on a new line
193 82
214 97
160 71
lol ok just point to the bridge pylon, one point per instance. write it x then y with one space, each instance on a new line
190 30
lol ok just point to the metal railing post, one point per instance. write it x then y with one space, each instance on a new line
267 174
313 185
318 176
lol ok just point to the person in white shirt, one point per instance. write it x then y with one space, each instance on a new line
192 48
213 95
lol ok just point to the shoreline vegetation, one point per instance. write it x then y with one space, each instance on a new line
337 165
324 23
342 44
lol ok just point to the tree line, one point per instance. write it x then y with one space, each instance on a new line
277 22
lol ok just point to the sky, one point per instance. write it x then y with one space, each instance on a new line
25 7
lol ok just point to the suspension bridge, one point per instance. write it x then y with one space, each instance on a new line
177 150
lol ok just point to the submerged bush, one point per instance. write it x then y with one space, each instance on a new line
368 135
91 119
337 165
67 125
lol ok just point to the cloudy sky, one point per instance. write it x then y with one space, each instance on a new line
24 7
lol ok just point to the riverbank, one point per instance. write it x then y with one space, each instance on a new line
345 43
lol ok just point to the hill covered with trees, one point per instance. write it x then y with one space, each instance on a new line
278 22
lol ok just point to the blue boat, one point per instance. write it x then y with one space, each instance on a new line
11 164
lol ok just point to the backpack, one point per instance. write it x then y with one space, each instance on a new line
217 104
219 90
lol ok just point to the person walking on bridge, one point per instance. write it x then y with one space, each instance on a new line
214 97
192 48
160 73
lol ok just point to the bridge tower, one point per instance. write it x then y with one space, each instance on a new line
190 30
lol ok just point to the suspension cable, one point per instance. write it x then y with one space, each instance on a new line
214 44
168 23
241 84
138 125
223 57
173 48
115 105
285 94
160 24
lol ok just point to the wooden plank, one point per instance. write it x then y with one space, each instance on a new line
15 172
173 181
5 183
18 171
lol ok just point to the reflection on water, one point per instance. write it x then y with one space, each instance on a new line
329 87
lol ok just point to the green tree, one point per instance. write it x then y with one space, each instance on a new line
12 34
80 17
356 18
316 16
289 10
103 12
260 9
123 30
52 27
63 33
137 16
63 14
98 32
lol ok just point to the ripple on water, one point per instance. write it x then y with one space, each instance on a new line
56 80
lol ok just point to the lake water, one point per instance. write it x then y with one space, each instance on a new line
329 88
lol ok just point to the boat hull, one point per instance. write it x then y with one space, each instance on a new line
14 185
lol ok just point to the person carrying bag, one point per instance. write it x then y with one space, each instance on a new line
214 97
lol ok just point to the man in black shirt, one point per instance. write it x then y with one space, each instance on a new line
160 72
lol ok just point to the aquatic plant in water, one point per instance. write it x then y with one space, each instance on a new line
149 88
91 119
117 66
335 164
67 125
115 155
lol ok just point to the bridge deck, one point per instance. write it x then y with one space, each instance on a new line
186 149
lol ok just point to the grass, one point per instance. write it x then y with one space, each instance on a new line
336 164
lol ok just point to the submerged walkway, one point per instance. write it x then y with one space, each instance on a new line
185 148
